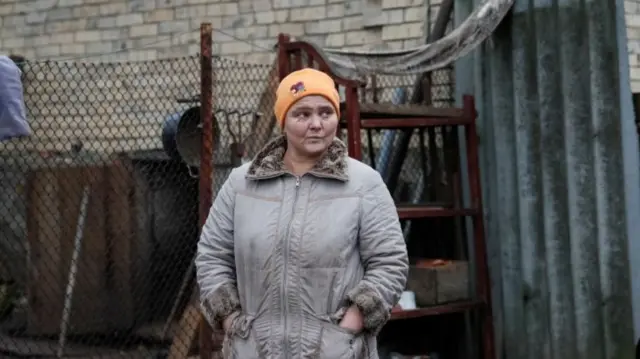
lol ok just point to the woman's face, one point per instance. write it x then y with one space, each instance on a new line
310 125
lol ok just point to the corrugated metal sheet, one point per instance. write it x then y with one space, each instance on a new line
560 178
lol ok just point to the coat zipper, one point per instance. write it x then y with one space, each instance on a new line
286 272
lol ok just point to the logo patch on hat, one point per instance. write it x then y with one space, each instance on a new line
297 88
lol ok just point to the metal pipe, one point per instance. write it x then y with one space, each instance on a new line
389 136
206 157
73 271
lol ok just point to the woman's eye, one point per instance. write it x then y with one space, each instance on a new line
303 115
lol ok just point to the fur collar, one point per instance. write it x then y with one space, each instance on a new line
269 163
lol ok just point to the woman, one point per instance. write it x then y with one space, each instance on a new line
302 255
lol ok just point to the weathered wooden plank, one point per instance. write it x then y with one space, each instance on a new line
44 279
120 230
101 299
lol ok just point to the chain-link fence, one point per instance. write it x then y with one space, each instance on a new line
99 205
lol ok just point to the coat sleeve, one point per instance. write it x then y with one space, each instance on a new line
215 260
384 256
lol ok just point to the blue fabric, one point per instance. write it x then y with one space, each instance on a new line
13 117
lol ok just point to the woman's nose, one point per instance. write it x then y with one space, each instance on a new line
316 122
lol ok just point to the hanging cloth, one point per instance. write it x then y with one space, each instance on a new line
13 116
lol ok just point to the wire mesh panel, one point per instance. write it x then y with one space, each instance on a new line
244 95
99 205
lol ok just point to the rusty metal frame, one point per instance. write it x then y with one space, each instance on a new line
290 58
483 284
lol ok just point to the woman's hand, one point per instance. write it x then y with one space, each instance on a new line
227 322
352 320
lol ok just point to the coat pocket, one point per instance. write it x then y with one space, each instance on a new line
240 342
338 343
242 348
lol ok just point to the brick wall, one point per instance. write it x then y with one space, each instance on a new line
150 32
151 29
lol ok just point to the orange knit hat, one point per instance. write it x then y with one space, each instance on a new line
302 83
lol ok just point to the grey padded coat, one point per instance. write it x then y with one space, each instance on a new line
287 255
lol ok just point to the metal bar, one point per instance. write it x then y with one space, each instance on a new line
206 157
399 109
73 271
374 99
310 62
353 117
420 212
284 64
390 123
483 286
463 69
388 136
297 58
438 310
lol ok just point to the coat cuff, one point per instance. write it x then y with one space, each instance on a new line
223 302
373 308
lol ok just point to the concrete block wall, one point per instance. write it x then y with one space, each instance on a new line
135 99
151 29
